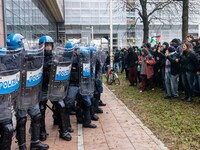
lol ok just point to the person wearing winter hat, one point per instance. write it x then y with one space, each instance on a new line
147 69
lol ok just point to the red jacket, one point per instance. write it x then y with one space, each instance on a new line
150 67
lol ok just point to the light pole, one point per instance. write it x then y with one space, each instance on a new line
111 37
92 32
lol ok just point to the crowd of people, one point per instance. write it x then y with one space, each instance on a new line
173 67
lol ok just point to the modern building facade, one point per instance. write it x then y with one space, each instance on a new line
2 39
63 20
32 18
84 17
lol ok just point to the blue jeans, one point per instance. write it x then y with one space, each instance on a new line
117 67
174 84
188 83
171 85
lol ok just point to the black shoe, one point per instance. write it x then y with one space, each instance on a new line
89 125
94 118
43 136
189 99
70 130
101 103
66 136
167 97
99 111
39 146
174 97
185 98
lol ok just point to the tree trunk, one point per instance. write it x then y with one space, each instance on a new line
145 30
145 18
185 17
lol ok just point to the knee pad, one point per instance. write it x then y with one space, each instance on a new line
8 129
21 121
36 118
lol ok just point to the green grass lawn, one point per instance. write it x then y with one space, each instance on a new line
175 122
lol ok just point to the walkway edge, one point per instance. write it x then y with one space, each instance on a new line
147 130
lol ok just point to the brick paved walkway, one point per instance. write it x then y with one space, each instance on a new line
117 129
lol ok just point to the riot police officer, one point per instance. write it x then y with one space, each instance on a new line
59 104
94 105
9 74
86 87
28 103
73 90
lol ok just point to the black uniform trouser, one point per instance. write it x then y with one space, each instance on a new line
70 99
62 115
6 133
35 115
59 112
83 113
43 107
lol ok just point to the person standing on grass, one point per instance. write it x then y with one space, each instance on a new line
147 69
172 71
132 60
189 67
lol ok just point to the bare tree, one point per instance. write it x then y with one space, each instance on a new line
146 10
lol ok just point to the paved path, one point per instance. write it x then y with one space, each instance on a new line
117 129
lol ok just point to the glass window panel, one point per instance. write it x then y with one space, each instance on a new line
85 5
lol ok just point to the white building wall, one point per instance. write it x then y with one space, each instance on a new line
87 13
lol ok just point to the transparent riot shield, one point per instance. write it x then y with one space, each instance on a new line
10 71
85 72
93 59
31 77
101 58
60 73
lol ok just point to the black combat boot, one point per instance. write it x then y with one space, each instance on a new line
63 125
43 132
69 127
55 115
79 113
87 118
96 104
100 101
92 111
21 133
35 138
6 136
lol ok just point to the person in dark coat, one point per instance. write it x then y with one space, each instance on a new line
132 62
189 67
